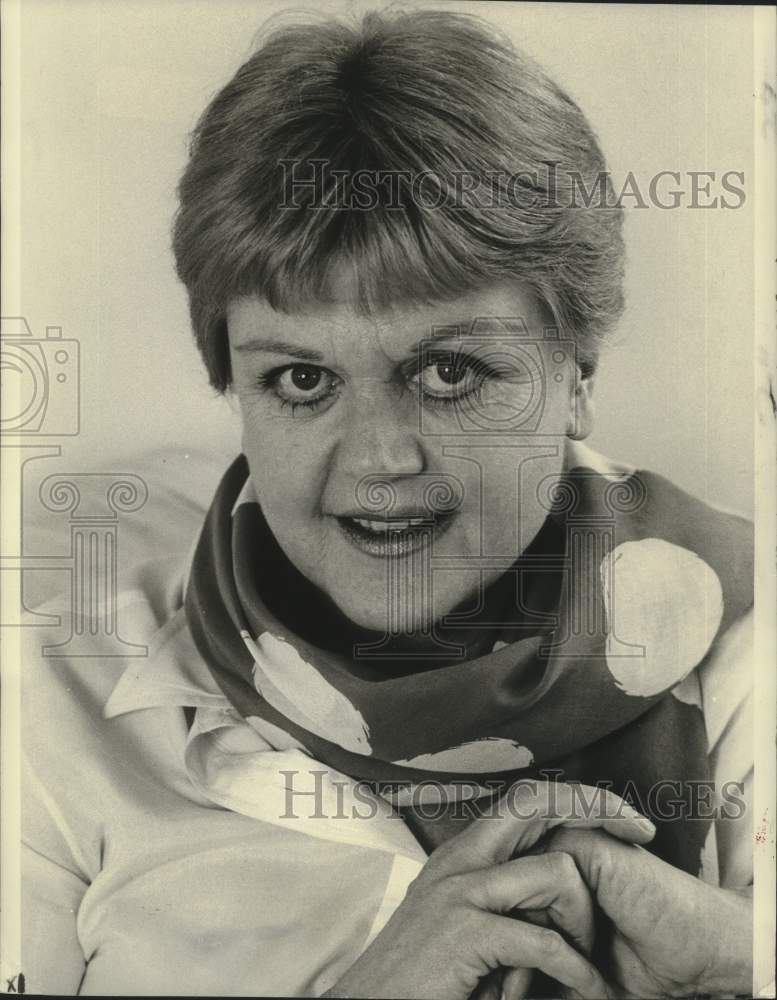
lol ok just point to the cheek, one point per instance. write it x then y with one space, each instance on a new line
287 469
537 491
508 494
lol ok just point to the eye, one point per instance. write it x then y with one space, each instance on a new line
451 377
301 385
304 378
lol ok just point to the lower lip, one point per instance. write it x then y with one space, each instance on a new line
396 542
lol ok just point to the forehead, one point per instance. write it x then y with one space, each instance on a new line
337 320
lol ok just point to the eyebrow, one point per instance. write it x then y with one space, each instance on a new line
257 344
280 347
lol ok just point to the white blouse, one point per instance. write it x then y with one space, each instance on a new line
162 860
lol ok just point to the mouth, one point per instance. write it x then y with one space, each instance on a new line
397 536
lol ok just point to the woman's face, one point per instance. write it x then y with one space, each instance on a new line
403 461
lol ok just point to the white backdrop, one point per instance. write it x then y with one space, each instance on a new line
109 91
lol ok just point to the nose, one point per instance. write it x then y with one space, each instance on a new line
380 434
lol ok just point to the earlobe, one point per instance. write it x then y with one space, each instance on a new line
581 411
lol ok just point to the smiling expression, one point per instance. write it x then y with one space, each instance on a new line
400 459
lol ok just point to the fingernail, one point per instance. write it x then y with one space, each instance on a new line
639 818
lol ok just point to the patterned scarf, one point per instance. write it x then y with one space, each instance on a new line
578 664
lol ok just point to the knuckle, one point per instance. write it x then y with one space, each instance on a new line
550 941
562 865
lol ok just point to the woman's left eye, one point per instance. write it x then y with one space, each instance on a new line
301 385
450 377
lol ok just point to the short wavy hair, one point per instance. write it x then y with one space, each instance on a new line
400 94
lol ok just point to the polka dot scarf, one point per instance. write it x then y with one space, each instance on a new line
627 588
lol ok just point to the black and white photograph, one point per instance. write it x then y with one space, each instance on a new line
388 499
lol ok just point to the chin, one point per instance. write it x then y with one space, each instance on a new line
369 606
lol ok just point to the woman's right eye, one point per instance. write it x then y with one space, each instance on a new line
301 385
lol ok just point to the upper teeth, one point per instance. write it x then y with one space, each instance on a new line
400 525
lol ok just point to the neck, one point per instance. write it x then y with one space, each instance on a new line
507 610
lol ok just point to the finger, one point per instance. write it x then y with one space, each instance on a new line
529 809
626 880
543 806
490 987
547 881
586 807
520 945
516 983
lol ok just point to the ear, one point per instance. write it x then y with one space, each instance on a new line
581 409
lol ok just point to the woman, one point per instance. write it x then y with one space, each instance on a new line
421 620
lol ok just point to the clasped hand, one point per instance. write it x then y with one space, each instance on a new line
455 934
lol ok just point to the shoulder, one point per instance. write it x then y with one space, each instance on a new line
655 503
676 533
149 511
124 582
722 538
77 641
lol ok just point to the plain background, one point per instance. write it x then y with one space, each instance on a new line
110 90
